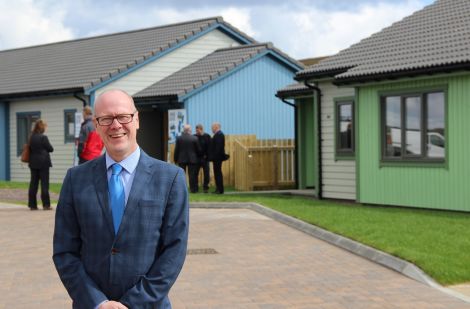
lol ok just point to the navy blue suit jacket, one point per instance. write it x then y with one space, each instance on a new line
137 266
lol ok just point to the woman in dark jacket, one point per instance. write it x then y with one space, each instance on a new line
39 164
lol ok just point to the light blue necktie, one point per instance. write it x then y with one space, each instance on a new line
116 196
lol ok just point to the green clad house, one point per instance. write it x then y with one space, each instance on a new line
387 121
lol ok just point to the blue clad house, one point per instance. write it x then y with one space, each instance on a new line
232 86
208 68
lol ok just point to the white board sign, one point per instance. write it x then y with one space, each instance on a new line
176 121
78 123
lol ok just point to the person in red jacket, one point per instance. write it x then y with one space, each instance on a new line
93 147
90 144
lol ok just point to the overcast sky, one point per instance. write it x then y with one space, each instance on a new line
301 28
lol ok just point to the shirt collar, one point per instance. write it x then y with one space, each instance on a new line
129 163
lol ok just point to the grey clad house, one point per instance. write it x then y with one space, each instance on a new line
385 121
208 68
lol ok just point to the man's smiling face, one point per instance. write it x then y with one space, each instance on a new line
119 139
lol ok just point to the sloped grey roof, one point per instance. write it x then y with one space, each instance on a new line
293 90
436 36
207 69
84 63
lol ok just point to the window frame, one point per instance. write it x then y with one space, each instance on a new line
20 141
344 153
69 138
404 158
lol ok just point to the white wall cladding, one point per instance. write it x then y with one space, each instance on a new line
339 176
52 111
171 62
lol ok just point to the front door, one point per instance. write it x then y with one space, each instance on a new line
152 136
306 143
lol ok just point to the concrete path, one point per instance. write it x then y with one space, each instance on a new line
238 259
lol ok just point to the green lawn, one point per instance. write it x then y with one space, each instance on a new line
53 187
436 241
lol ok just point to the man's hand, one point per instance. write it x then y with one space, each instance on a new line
112 305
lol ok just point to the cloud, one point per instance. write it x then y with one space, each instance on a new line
24 23
302 29
240 18
135 19
310 31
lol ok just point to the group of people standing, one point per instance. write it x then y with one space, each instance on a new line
194 152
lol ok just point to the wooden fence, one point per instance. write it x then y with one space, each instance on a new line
256 164
264 164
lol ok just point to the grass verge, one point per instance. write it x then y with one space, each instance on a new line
53 187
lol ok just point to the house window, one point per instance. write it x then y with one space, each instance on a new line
345 128
414 127
24 126
69 125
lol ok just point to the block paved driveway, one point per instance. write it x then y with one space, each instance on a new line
259 263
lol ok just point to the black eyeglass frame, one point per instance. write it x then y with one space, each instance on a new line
99 119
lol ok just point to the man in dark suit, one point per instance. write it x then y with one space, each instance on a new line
186 155
204 142
217 156
121 226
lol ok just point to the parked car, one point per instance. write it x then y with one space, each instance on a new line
435 144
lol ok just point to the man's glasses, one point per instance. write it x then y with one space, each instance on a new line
108 120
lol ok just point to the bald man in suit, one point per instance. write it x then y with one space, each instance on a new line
122 220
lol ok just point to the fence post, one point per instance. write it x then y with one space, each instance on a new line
276 166
249 173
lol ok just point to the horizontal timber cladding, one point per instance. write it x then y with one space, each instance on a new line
52 111
4 141
171 62
338 176
443 186
244 102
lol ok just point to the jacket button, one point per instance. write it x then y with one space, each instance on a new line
114 251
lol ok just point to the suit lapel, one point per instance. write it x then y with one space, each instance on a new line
101 186
142 177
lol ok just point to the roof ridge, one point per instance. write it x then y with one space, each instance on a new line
155 51
379 45
266 44
232 27
218 19
227 66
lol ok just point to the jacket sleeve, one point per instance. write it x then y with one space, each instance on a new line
176 153
197 148
85 130
66 252
208 146
155 285
220 147
47 144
